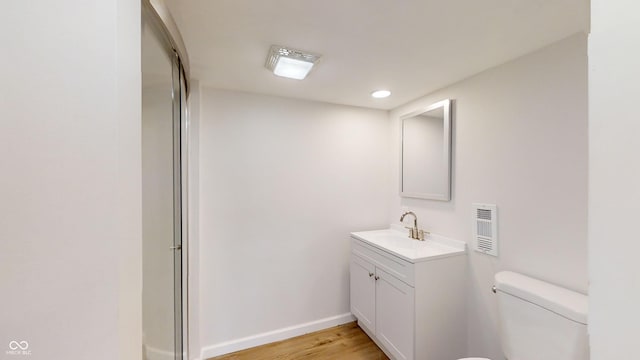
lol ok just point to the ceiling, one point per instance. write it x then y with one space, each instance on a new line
411 47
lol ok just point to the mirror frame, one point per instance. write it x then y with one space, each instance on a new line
446 105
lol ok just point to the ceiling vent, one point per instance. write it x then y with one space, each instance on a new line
485 228
290 63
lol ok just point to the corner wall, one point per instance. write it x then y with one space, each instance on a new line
614 179
520 142
282 183
70 248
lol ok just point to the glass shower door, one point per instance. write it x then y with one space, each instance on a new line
161 198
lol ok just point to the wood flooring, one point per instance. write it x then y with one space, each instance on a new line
344 342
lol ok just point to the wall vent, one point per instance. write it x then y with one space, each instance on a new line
485 228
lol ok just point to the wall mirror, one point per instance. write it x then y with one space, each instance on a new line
425 153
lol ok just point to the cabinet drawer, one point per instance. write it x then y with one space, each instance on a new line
399 268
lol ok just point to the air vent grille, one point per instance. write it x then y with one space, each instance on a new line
483 214
485 229
277 51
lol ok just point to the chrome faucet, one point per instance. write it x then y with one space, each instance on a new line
414 232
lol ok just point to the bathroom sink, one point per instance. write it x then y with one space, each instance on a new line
395 241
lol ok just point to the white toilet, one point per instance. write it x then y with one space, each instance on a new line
540 321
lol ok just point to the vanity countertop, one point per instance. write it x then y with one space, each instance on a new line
396 242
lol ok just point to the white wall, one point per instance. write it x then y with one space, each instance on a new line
128 143
614 179
70 237
282 183
193 246
519 141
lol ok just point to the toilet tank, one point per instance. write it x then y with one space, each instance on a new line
540 321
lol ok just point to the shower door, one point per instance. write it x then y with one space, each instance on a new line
163 116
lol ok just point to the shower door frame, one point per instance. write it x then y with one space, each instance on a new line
156 13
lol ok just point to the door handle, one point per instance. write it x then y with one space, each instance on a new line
370 274
377 278
177 247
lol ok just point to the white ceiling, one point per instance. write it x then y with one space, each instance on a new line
411 47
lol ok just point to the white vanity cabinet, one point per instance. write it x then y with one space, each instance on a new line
363 292
409 300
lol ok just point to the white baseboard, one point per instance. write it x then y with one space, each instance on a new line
273 336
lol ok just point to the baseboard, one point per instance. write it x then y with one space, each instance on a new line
272 336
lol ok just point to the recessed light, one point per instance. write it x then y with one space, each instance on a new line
290 63
379 94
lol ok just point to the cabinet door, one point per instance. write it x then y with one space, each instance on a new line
363 292
394 315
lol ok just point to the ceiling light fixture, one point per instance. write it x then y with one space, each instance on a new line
379 94
290 63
